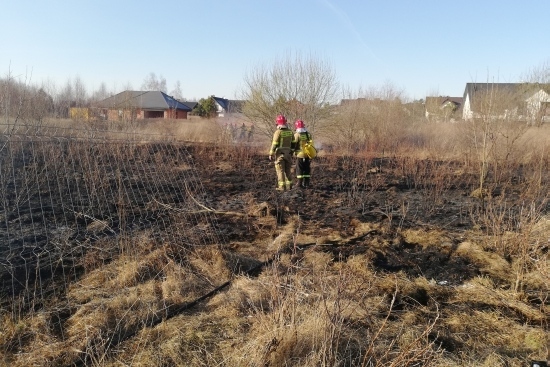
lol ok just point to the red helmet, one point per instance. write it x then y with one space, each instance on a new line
281 120
299 124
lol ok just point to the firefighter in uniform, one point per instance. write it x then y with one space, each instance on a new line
281 153
303 162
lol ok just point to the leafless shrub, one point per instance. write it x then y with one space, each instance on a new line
434 177
371 120
299 86
511 233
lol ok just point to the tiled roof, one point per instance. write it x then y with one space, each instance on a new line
190 104
229 105
147 100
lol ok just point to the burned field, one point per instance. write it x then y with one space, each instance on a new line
164 253
340 200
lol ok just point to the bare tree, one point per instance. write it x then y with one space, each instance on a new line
101 93
63 100
350 128
22 101
538 74
370 119
494 132
152 83
12 97
301 87
40 106
162 84
80 93
176 92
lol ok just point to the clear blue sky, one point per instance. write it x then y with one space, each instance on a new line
422 47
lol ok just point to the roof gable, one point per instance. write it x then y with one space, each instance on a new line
454 100
222 102
174 103
229 105
190 104
440 101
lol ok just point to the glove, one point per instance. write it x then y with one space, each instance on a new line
270 157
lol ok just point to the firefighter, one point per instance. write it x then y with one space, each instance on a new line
303 162
281 153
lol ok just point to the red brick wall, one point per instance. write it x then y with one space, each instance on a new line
114 115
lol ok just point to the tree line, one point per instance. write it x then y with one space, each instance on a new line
24 100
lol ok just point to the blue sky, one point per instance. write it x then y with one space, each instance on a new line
422 47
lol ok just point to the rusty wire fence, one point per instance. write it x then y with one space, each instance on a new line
67 193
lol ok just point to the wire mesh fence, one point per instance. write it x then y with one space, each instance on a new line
68 196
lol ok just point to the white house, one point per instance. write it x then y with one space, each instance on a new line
538 106
528 102
227 107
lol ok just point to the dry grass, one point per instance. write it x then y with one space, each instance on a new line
308 311
309 305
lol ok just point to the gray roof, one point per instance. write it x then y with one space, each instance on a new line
146 100
190 104
436 102
519 89
229 105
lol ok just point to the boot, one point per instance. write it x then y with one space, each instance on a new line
306 183
300 183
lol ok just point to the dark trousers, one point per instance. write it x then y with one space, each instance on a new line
303 171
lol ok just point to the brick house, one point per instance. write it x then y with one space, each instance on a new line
137 105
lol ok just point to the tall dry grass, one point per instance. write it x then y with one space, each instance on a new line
306 308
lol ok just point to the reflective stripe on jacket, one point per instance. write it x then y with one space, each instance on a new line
282 141
300 139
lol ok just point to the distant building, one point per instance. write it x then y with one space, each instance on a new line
137 105
370 105
228 107
443 109
190 104
529 102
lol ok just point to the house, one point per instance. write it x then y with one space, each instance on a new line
190 104
443 109
372 106
131 105
529 102
227 107
353 101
